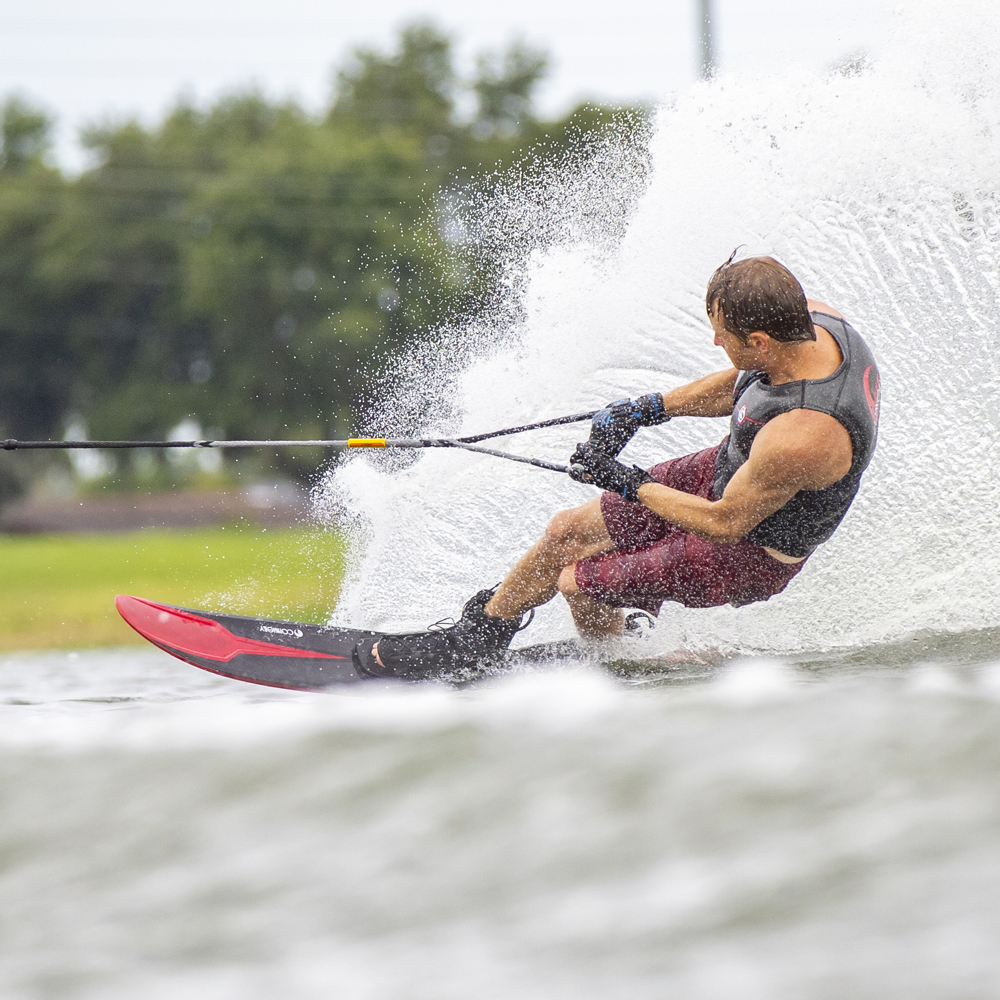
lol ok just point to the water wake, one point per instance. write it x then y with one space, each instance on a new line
875 184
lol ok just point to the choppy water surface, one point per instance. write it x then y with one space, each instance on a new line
802 803
751 829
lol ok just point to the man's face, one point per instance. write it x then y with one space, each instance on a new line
743 356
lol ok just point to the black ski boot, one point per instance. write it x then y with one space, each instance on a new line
475 640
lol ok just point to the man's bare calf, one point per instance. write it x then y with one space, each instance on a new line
549 567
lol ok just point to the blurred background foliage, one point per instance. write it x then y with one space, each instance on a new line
244 263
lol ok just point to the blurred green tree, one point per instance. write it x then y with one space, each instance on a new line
24 135
505 88
412 89
246 263
37 374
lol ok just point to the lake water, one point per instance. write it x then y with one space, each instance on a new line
748 829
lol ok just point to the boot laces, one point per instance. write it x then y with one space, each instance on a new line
442 626
449 623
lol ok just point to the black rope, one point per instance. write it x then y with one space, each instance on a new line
554 422
468 443
13 444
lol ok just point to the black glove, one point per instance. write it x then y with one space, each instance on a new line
612 428
590 465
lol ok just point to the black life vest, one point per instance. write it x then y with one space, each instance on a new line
851 395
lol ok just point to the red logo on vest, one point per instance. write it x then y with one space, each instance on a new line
874 398
741 416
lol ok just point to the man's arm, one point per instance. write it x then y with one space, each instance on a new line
614 425
711 396
798 450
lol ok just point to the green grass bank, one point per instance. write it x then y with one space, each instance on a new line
58 591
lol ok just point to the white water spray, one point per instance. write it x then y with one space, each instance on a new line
877 186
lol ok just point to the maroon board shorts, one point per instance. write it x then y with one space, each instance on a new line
655 561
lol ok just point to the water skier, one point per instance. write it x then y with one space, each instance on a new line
728 525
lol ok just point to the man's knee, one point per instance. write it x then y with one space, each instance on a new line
563 529
569 530
567 581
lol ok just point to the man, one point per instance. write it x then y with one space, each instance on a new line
728 525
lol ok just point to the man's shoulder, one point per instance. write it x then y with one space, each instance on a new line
815 306
806 439
802 422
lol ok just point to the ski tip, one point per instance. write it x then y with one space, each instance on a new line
148 618
185 633
190 634
137 609
126 604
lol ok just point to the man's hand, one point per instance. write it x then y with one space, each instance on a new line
591 465
613 427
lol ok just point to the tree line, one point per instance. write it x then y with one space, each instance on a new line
244 263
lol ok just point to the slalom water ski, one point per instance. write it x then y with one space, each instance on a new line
275 653
292 655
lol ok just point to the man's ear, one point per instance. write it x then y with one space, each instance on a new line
759 341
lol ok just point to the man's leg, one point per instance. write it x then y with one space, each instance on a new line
570 536
593 620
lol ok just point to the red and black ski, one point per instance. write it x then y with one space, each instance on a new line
278 654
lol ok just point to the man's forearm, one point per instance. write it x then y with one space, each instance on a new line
711 396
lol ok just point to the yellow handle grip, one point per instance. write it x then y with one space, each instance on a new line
366 442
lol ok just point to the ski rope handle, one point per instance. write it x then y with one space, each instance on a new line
465 443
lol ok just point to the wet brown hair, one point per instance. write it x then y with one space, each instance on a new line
760 294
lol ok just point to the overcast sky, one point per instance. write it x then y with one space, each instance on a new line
85 60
